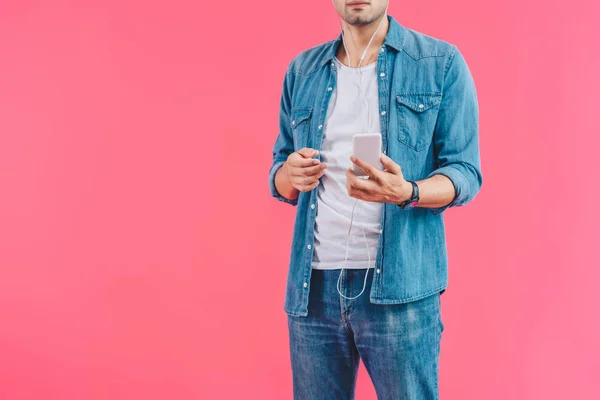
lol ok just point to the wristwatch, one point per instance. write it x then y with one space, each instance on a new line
414 198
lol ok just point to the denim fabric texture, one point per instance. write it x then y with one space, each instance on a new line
429 118
399 344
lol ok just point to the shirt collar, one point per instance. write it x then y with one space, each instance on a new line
394 39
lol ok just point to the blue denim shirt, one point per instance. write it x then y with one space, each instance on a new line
429 121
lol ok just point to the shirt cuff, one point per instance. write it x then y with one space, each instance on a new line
276 165
461 187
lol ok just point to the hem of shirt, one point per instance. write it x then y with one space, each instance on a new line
338 267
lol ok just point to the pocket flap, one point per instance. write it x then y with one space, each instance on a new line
419 102
300 115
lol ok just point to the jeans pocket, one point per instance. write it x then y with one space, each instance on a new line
417 115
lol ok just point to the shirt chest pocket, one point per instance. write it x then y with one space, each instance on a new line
300 124
417 114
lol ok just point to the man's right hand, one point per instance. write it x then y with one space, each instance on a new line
303 170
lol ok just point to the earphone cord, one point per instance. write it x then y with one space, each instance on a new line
346 258
361 96
363 101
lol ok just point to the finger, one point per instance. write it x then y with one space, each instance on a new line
369 168
351 177
358 194
307 152
367 185
298 161
308 180
306 188
305 172
390 165
308 171
355 182
350 173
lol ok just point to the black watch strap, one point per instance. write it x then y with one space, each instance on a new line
414 198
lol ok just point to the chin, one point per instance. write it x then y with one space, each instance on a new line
359 21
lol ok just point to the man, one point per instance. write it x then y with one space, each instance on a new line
421 96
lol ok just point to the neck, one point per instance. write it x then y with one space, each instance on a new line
358 37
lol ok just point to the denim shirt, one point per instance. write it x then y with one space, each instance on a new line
429 121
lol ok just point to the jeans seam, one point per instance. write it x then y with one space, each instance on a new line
344 313
355 373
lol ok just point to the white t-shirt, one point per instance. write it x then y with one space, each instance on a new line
345 117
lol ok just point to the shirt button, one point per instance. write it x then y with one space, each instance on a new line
378 270
329 89
309 246
293 123
312 206
381 231
421 106
320 126
383 113
382 49
305 284
382 74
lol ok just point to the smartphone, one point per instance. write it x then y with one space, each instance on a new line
367 147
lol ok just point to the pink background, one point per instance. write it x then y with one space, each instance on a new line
142 257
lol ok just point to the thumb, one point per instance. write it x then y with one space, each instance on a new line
307 152
390 165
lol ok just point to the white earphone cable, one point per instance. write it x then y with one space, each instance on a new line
363 101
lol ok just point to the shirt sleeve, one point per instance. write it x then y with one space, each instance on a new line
456 134
284 143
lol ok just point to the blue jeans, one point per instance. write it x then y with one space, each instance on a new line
399 344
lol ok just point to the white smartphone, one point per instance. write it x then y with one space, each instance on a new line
367 147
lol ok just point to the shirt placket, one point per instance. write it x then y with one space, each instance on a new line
331 84
383 90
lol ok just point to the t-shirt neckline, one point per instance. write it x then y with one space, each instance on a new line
368 66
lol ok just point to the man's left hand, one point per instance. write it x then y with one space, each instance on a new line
387 186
